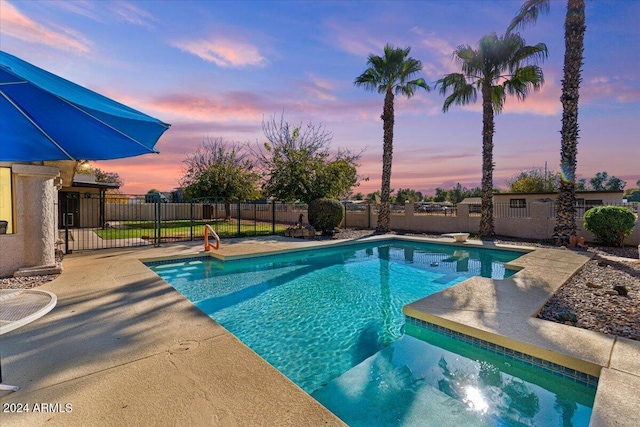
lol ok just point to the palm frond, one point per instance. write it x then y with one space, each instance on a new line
498 98
530 54
525 79
528 14
462 92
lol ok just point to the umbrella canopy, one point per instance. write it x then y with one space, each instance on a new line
45 117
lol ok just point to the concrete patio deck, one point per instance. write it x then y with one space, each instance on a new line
122 347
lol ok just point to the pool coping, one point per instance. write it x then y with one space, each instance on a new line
177 366
513 324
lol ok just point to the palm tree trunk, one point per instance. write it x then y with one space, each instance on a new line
488 129
384 214
574 29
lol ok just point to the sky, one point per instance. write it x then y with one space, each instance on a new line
217 69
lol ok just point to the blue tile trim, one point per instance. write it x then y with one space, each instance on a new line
553 368
176 261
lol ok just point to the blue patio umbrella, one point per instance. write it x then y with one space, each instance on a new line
45 117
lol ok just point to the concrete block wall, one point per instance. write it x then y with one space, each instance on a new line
537 226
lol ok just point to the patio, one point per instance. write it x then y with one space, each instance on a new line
123 347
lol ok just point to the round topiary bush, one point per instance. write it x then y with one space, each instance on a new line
325 215
610 224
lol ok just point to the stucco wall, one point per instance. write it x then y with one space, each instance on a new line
33 241
536 225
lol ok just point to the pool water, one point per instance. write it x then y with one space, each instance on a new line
426 378
315 315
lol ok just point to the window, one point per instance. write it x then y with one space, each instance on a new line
475 209
6 202
518 203
592 203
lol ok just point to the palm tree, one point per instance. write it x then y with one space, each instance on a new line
574 29
496 68
390 74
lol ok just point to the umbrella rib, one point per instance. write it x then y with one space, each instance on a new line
151 150
26 116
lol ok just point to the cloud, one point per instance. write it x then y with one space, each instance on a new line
223 52
601 87
131 14
320 88
228 106
16 24
354 39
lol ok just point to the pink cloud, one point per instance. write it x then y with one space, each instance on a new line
601 87
131 14
355 39
223 52
320 88
15 24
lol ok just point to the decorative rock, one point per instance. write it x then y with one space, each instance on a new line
621 290
593 285
567 315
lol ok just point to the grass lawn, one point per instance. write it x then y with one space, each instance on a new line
182 229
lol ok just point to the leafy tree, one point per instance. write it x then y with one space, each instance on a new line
83 168
358 196
375 196
297 164
408 194
441 195
598 181
459 193
574 29
632 194
220 170
534 180
390 74
496 68
602 182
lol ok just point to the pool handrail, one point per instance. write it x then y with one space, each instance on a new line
208 246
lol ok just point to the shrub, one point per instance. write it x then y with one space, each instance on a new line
610 224
325 215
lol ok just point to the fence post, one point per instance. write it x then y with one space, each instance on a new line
255 219
238 218
66 223
157 220
273 217
191 221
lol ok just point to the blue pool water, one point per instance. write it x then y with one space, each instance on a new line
318 315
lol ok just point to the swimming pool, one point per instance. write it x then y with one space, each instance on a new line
317 314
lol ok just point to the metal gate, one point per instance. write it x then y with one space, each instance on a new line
98 220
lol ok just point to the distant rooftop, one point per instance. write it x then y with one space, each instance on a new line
88 180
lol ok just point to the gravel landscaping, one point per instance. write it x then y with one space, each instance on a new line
603 296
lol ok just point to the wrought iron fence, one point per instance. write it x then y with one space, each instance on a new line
581 209
95 220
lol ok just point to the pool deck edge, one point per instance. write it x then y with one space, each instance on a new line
123 347
503 312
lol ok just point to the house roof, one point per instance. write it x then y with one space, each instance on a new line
555 194
472 201
87 180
